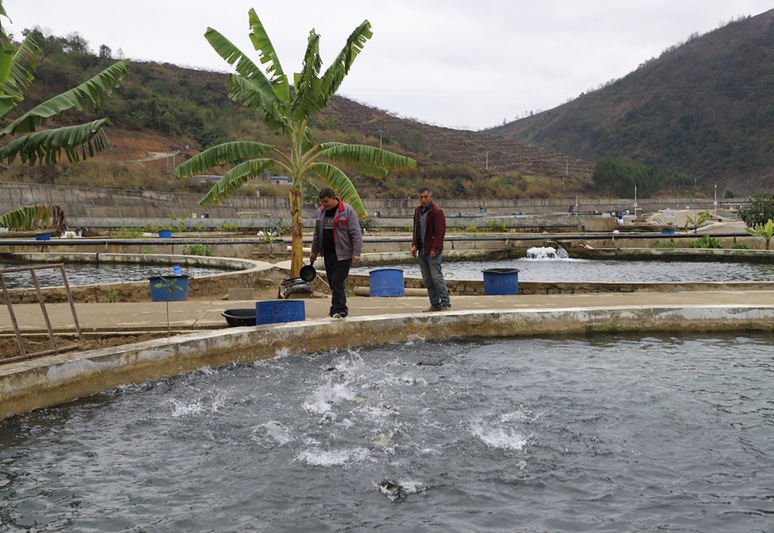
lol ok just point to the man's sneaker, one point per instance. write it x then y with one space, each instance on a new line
432 309
338 315
446 308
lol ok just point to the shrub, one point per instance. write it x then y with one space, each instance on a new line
494 225
706 242
741 246
759 212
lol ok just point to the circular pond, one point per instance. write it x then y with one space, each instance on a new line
587 270
614 433
99 273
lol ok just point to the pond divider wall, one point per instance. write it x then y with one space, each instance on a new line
53 380
254 274
245 274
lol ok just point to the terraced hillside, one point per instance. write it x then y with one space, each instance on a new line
494 153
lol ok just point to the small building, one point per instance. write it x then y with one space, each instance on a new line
280 180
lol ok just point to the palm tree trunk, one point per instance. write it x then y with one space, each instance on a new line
297 261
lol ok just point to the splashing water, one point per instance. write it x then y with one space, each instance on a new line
635 433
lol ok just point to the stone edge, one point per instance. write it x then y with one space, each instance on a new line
49 381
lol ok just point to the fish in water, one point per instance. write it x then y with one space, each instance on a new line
386 441
393 490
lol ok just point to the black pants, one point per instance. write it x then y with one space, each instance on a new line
337 272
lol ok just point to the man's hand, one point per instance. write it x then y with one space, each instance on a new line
355 259
413 250
433 254
312 257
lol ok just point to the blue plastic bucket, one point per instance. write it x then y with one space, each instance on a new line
386 282
159 294
276 311
501 281
165 233
43 237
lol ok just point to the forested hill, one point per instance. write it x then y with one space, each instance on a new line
705 108
163 108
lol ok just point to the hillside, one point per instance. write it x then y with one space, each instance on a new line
164 109
703 108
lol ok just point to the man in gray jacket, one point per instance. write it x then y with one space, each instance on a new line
337 235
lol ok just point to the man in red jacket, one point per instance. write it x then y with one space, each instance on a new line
427 245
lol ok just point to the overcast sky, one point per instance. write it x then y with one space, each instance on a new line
461 64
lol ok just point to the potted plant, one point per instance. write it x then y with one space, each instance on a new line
169 287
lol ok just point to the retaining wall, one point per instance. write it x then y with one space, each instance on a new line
28 385
94 203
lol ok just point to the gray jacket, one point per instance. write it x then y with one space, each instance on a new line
346 232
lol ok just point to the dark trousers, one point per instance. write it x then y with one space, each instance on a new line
337 272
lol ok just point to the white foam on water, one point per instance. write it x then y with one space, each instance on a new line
351 365
275 430
517 415
207 370
181 409
541 253
326 396
328 458
498 437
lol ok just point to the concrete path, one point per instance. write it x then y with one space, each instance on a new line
206 314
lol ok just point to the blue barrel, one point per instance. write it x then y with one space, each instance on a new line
43 237
179 284
165 233
501 281
386 282
276 311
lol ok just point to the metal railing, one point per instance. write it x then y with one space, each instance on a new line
54 349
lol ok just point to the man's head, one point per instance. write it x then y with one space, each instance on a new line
328 199
425 196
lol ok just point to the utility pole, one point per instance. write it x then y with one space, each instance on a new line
487 161
635 200
716 199
380 139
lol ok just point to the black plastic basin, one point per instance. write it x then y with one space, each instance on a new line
239 317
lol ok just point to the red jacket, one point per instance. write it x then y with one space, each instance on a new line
435 229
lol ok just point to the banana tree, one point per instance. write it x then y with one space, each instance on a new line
17 67
36 217
700 219
763 231
286 112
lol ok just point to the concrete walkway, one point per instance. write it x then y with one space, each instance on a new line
206 314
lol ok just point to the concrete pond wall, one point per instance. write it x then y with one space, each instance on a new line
244 274
32 384
254 274
94 203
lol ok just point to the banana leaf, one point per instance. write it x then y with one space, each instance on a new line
235 178
262 44
78 142
36 217
85 96
220 155
341 185
371 161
